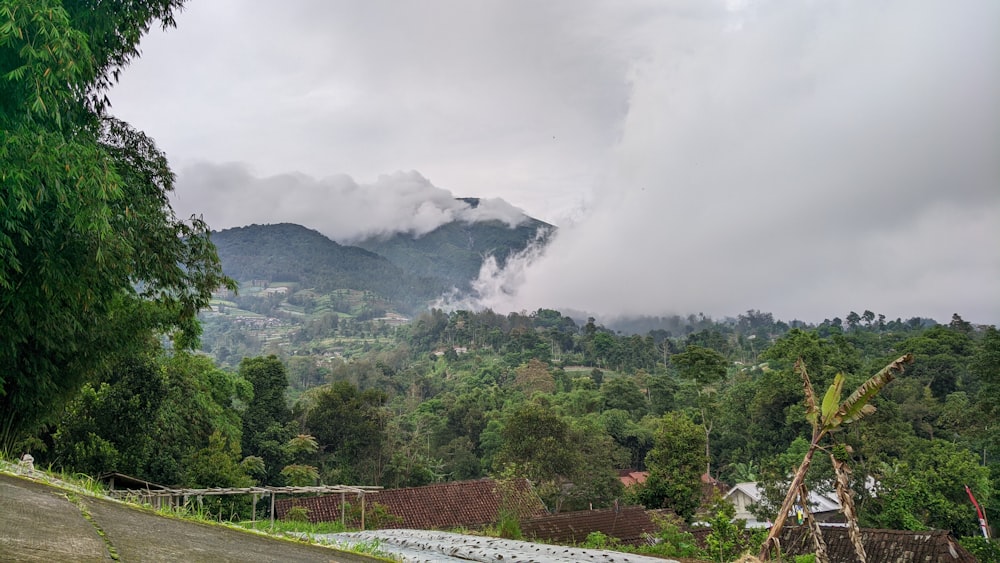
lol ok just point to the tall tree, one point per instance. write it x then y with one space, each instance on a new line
675 465
349 427
566 463
111 426
265 420
708 368
93 260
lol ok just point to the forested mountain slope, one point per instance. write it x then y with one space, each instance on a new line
454 252
410 272
293 253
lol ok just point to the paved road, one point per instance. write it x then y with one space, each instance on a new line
39 522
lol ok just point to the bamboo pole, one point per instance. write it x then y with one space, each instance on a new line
817 533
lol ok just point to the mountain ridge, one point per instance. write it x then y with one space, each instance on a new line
409 271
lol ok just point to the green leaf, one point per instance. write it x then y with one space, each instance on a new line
832 399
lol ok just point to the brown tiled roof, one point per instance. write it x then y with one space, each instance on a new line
890 546
630 524
470 504
630 477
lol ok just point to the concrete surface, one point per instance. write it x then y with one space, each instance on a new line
39 522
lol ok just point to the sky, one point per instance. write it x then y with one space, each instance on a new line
803 158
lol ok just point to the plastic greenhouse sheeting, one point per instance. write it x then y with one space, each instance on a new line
419 546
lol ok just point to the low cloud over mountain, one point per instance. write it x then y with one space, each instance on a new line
231 195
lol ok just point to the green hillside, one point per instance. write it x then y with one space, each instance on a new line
454 252
293 253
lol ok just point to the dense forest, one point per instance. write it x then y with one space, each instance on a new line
463 395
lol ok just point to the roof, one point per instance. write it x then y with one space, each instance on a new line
934 546
117 480
818 502
629 477
630 524
709 486
469 504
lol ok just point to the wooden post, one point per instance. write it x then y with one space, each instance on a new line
343 510
272 510
362 511
817 533
253 513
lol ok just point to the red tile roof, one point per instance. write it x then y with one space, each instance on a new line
470 504
629 524
629 477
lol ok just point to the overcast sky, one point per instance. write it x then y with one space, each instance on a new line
803 158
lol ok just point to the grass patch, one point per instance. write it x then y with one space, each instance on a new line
292 527
75 499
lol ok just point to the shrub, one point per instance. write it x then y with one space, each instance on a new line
986 551
297 514
672 540
600 540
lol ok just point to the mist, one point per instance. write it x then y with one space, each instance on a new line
231 195
806 159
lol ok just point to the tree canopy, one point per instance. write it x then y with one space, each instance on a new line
93 261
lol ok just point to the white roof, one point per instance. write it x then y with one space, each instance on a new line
818 502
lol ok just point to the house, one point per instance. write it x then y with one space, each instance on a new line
470 504
933 546
631 525
825 507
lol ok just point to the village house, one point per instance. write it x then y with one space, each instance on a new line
825 507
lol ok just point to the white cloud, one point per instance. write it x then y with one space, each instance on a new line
338 206
815 161
806 158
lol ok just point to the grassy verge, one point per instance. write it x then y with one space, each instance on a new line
285 527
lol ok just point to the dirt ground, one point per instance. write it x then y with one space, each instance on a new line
39 522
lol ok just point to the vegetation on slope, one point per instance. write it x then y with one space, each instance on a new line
454 252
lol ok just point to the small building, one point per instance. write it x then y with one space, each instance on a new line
825 507
120 482
470 504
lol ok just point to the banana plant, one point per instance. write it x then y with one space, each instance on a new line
826 417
